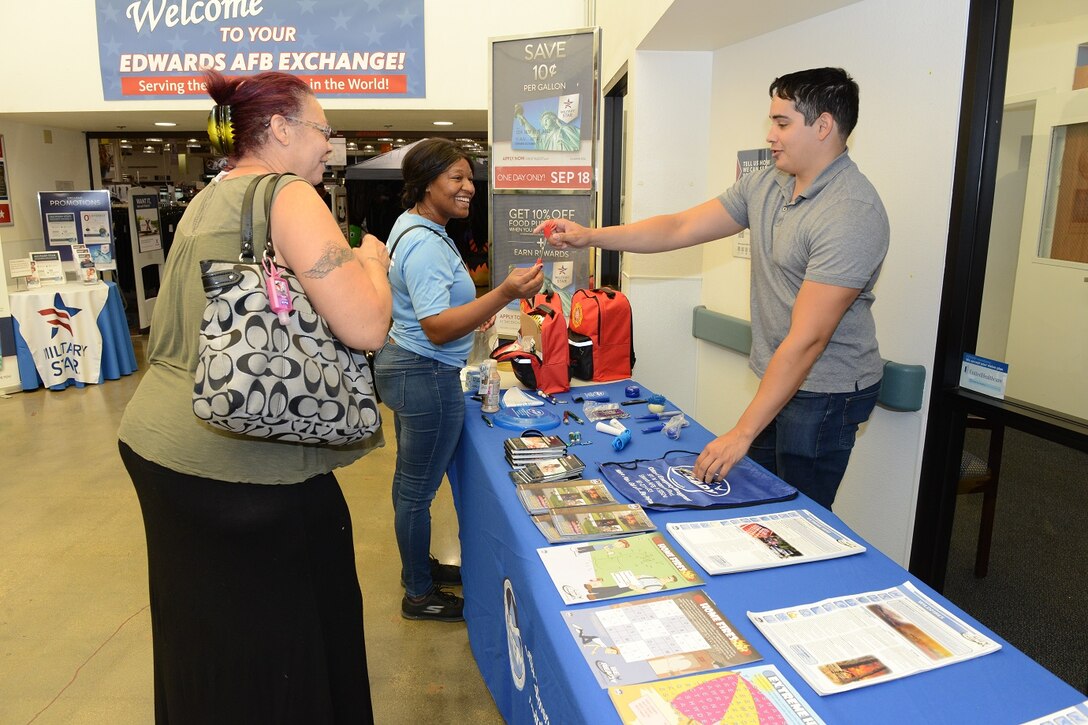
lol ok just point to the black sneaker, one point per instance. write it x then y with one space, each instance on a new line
440 605
441 573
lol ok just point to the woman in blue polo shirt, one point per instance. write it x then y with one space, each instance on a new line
435 313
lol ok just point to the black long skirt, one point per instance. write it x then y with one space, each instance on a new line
256 612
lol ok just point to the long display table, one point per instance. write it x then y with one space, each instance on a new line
537 673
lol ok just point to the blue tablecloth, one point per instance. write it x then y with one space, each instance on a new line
118 356
537 674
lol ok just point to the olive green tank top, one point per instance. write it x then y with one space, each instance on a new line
158 423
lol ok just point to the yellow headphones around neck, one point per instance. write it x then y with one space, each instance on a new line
220 131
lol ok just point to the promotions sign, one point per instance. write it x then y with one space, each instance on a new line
154 49
544 111
78 217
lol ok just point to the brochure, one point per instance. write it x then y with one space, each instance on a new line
651 639
754 695
538 498
760 542
588 523
46 266
625 567
844 643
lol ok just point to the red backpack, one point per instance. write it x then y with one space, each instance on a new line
547 365
601 345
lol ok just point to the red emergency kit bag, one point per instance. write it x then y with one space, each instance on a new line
599 336
542 359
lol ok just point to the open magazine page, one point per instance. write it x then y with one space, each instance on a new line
616 568
653 638
759 542
751 695
849 642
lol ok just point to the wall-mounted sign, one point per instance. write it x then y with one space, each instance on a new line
544 111
5 194
154 49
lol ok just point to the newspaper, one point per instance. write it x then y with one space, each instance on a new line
759 542
756 694
844 643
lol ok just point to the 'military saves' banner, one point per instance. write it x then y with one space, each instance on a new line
154 49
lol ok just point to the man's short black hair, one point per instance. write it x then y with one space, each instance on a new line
821 90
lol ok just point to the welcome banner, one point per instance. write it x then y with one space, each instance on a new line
155 49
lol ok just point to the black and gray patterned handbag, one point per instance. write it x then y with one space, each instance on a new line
280 376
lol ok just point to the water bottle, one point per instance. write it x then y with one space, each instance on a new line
491 397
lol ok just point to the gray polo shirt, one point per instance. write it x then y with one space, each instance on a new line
835 233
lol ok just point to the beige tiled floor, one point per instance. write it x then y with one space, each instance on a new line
75 635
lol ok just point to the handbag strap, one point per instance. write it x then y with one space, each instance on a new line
247 254
443 237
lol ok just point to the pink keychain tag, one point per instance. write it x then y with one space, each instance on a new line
279 293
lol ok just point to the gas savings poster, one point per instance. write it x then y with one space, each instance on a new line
155 49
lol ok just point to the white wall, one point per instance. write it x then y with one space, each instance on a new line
908 61
35 164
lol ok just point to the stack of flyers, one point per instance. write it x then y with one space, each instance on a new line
548 470
539 498
522 451
588 523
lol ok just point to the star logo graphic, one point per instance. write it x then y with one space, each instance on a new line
59 315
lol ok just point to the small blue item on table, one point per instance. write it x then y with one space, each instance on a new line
621 441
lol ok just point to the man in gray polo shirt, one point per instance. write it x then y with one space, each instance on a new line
819 234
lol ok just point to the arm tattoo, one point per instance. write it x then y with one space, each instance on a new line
334 256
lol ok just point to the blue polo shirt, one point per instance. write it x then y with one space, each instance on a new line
427 276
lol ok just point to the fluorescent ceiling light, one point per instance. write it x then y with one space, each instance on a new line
165 123
442 123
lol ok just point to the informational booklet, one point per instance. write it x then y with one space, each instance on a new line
589 523
538 498
642 640
854 641
757 695
759 542
625 567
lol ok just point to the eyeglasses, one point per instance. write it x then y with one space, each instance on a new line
325 131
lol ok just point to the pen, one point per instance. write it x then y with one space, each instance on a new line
572 415
487 420
546 397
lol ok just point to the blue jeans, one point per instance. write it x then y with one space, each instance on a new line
808 444
429 411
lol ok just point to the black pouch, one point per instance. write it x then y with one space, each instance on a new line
523 363
581 355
